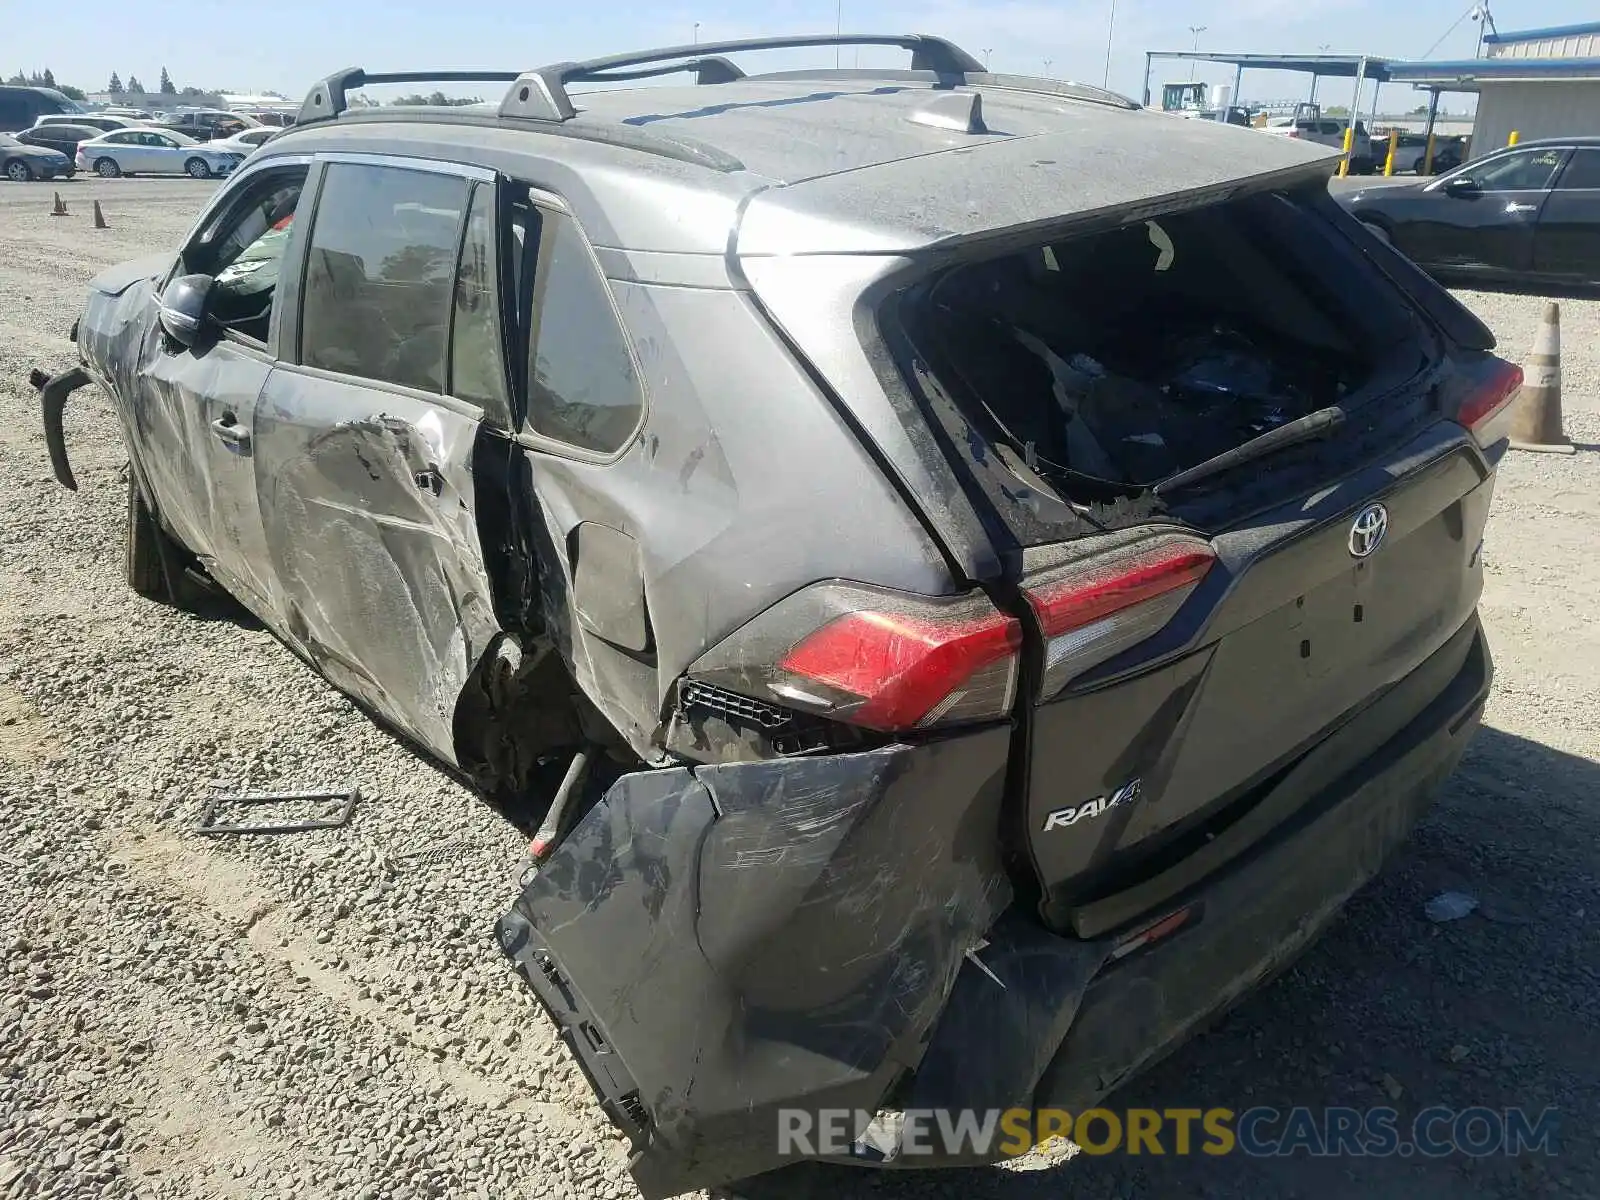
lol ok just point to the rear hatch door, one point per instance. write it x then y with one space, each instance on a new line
1194 630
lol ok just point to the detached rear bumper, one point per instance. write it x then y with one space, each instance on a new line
719 944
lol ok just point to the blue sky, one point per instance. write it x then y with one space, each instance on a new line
287 44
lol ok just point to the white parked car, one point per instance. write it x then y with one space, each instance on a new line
154 152
246 141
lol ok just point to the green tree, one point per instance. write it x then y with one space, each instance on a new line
166 84
18 80
191 91
135 86
72 93
49 78
115 86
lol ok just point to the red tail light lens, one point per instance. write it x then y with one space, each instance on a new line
874 658
1092 609
1486 409
913 670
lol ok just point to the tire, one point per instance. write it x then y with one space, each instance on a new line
147 554
18 171
107 168
197 168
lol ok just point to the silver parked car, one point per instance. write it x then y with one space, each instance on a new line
246 141
154 152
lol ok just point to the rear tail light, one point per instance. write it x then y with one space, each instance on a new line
1093 608
874 658
1486 410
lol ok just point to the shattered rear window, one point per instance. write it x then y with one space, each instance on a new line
1109 362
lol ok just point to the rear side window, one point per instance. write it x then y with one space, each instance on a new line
477 360
583 386
379 274
1582 172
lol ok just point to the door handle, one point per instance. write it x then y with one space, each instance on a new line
231 432
1514 207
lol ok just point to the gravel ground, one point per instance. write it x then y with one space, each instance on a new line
327 1014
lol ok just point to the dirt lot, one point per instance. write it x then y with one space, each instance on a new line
327 1015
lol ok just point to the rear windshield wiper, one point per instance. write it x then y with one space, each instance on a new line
1302 429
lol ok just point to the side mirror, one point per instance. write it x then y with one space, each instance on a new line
1461 185
183 308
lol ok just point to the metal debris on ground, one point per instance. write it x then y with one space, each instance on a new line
347 801
1449 906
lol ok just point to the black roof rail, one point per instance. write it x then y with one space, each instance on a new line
541 94
328 98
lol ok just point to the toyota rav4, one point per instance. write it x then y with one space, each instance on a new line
958 577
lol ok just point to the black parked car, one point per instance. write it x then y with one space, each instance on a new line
697 483
57 136
1526 215
207 124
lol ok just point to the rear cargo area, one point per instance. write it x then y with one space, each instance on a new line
1102 364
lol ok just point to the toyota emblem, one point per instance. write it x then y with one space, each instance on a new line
1368 530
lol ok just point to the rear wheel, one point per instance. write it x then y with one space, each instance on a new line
107 168
18 171
197 168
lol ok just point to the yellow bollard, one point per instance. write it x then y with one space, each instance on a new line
1427 158
1514 138
1349 141
1394 144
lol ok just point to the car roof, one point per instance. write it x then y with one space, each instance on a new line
840 161
1558 143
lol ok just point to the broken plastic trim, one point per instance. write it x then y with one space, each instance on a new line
53 393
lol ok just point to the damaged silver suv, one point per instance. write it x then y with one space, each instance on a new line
958 577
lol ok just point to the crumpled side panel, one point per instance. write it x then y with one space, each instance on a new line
759 935
377 569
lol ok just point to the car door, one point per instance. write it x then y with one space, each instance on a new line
165 155
209 392
364 456
582 402
121 148
1481 219
1566 243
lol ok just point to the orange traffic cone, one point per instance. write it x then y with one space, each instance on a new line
99 217
1536 412
60 209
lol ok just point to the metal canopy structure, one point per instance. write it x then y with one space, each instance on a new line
1332 66
1359 67
1467 74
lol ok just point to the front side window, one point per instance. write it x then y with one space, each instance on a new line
379 274
583 386
1528 171
245 256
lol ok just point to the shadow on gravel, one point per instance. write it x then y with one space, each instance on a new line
1500 1009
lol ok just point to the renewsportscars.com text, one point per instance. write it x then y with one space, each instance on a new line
1259 1132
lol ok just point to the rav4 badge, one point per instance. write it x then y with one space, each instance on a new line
1062 817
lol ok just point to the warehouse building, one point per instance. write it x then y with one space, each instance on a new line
1536 83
